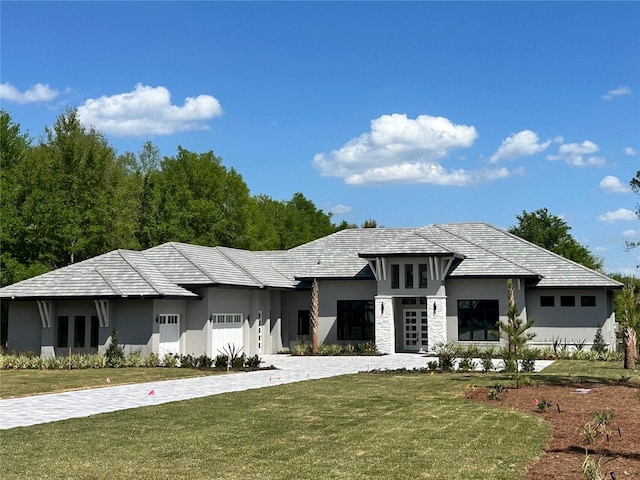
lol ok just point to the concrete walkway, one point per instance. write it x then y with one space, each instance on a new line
25 411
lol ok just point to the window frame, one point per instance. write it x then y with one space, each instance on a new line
567 300
353 316
491 307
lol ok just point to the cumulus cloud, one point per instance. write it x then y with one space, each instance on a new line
630 233
614 185
402 149
579 154
622 214
521 144
629 151
147 111
38 93
617 92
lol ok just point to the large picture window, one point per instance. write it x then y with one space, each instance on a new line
355 320
478 320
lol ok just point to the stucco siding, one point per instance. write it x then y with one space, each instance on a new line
24 327
570 325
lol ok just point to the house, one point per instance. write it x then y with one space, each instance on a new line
406 289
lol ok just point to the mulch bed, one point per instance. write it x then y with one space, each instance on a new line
563 457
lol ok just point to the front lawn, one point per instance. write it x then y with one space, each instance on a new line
365 426
20 383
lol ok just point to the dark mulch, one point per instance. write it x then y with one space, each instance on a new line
563 457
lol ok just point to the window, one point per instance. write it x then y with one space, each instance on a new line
395 276
547 301
95 331
408 275
355 320
409 301
422 274
78 331
567 301
63 331
588 301
218 318
478 320
304 320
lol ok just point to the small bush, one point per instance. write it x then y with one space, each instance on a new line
114 353
446 353
495 392
170 360
367 348
151 360
599 345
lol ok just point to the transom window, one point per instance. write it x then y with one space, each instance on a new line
168 319
567 301
588 301
478 320
228 318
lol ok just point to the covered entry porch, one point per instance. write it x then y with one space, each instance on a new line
409 324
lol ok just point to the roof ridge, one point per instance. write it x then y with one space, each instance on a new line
238 265
143 275
420 233
487 250
516 237
109 283
188 259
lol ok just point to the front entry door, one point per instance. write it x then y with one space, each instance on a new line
415 330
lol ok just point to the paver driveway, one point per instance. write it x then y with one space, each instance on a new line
21 412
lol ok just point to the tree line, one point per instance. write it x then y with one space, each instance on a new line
70 196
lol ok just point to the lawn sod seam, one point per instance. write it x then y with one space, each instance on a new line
355 426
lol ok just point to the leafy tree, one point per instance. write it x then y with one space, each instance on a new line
515 329
370 223
552 233
193 198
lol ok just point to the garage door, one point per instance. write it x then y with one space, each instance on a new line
226 330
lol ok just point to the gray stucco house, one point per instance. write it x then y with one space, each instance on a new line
406 289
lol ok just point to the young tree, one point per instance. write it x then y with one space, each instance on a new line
315 299
630 323
515 329
552 233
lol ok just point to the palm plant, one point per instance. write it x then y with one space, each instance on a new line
630 322
315 299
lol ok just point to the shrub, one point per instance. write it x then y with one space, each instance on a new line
599 345
151 360
188 361
367 348
486 360
466 364
495 392
133 360
528 362
253 362
446 353
114 353
170 360
432 365
204 361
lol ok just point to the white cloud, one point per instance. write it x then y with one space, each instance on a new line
614 185
622 214
339 209
521 144
629 151
617 92
574 154
630 233
147 111
37 93
401 149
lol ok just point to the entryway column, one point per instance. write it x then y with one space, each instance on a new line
384 324
436 320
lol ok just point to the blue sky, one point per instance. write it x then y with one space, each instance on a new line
409 113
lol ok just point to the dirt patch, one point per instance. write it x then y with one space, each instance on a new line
573 406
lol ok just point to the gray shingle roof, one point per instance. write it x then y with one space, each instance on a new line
120 273
162 271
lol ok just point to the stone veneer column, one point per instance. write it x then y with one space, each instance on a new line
384 324
436 321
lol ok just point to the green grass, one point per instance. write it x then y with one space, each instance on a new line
352 427
585 371
365 426
20 383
